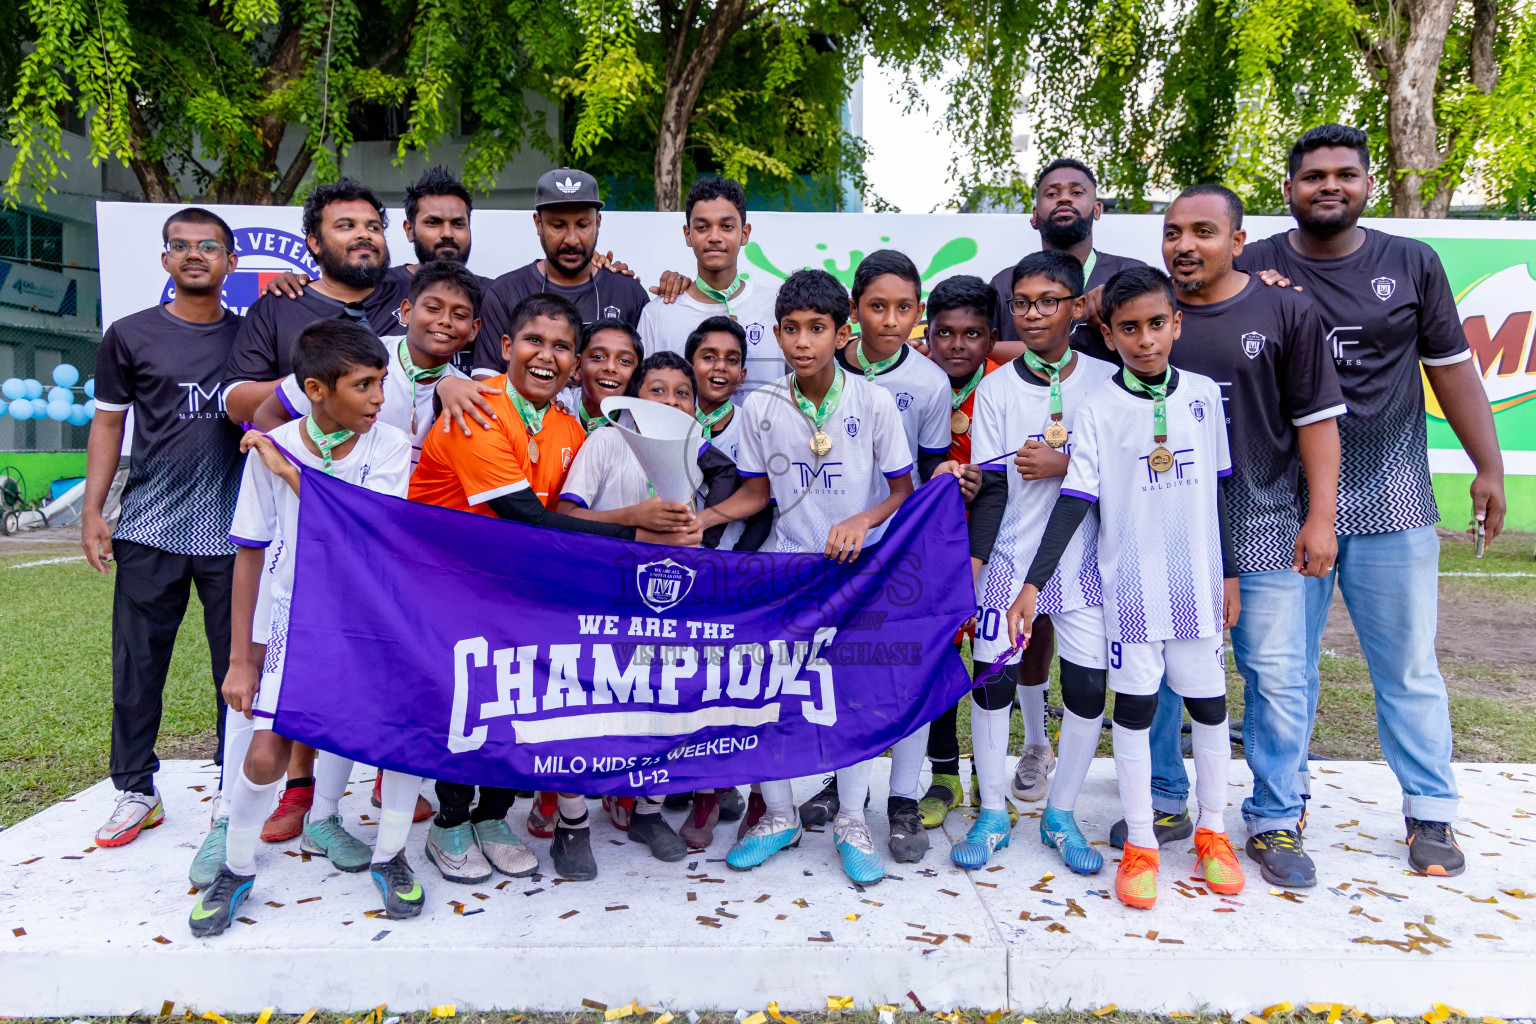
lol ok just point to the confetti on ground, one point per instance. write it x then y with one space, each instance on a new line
309 1015
18 932
1270 1011
839 1002
917 1002
447 1010
569 914
34 860
1104 1011
310 899
162 940
756 1018
621 906
376 938
265 1015
946 892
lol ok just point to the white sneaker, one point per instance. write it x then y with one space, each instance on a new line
1031 777
134 813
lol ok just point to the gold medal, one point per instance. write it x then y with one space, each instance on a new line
1161 459
959 422
1056 435
821 444
533 451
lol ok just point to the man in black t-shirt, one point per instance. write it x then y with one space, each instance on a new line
344 230
165 363
1388 309
1066 205
567 217
1281 402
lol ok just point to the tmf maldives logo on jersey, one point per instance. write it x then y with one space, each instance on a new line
264 254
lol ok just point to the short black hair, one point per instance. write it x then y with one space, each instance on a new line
198 215
706 189
1132 283
963 291
612 323
450 272
343 190
715 325
814 290
1329 136
327 350
539 304
438 181
1069 162
662 360
885 261
1234 204
1053 265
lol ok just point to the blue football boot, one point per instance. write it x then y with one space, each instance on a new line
1059 831
856 847
989 833
771 834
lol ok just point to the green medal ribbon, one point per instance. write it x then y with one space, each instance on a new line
325 442
1088 265
872 370
724 296
416 373
707 420
1052 370
533 419
818 413
589 422
1159 393
960 396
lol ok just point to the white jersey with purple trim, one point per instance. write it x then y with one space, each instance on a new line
267 511
665 326
1014 406
407 406
815 494
923 398
605 474
1159 533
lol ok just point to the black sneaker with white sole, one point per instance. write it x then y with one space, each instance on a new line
1167 828
822 807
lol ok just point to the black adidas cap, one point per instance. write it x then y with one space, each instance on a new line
566 187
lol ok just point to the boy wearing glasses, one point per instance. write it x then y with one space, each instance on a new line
166 363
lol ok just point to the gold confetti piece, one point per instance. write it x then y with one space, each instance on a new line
1493 1020
846 917
1172 942
166 1008
946 892
274 906
997 867
1519 894
503 885
479 895
1223 910
593 1004
1073 910
801 903
162 940
621 906
1056 928
18 932
963 937
1104 1011
1334 1012
953 1016
764 898
265 1015
446 1010
1490 899
1386 1020
1270 1011
692 897
1485 935
310 899
781 917
34 860
569 914
839 1002
1249 1018
245 920
309 1015
773 1011
756 1018
619 1012
989 885
1318 1007
882 1006
1514 917
665 1018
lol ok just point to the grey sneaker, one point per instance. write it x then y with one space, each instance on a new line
328 838
210 856
1031 779
456 854
134 813
503 850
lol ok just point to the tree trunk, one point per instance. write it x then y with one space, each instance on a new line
154 178
685 80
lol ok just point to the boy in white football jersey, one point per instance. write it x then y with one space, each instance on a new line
1149 448
1023 422
887 303
827 447
605 363
342 365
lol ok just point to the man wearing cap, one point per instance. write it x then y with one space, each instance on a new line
567 216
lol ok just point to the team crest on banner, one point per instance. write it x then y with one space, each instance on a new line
851 424
1253 344
1197 410
662 584
264 254
903 401
1384 287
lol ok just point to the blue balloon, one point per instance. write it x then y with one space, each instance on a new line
14 388
60 394
65 375
34 388
21 409
39 408
59 411
90 388
90 409
79 415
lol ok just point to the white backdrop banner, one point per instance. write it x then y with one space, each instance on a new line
1490 264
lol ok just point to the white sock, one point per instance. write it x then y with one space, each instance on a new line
398 795
1133 769
249 805
1075 747
573 811
238 731
1032 705
907 758
646 805
332 773
853 787
989 753
778 797
1213 759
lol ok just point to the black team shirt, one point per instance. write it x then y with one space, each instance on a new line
274 321
1386 308
185 473
1266 348
606 295
1088 340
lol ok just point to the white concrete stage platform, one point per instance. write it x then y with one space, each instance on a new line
104 931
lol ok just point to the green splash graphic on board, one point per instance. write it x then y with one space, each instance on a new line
951 254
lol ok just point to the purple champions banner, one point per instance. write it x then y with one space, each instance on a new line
464 648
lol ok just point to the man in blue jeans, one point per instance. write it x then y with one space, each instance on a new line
1388 309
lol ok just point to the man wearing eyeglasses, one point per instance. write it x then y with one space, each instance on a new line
1066 205
165 363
